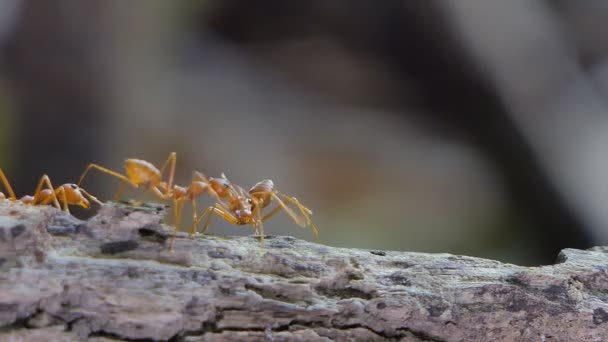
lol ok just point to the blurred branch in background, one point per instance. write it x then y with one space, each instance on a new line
55 66
408 125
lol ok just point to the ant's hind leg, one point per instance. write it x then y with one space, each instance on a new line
7 186
259 227
171 160
106 171
45 180
193 229
220 212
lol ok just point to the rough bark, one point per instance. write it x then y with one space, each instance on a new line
114 277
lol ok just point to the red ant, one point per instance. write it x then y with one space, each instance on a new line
68 194
241 207
140 173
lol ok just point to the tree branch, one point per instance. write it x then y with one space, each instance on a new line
114 277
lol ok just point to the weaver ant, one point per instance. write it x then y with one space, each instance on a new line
66 194
140 173
241 207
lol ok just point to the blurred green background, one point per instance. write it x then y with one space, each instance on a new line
457 126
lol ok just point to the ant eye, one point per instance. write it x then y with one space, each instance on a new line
249 200
74 186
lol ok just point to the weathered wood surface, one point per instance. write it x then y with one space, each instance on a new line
113 277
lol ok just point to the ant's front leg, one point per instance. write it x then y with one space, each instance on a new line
7 186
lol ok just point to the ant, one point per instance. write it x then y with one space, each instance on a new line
68 194
241 207
140 173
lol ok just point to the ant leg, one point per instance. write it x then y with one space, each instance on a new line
197 176
64 199
7 186
45 180
156 191
298 220
177 211
305 211
259 223
118 193
106 171
282 205
91 197
202 216
220 212
193 229
170 160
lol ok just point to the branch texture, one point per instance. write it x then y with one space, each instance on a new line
114 277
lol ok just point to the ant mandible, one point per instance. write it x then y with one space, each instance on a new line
67 194
241 207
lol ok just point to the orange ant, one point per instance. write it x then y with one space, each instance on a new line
241 207
140 173
68 194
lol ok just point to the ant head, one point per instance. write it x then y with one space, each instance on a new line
74 196
244 210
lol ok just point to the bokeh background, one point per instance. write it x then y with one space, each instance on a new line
460 126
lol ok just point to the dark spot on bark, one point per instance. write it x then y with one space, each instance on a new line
223 253
61 230
2 261
13 213
225 290
398 278
355 263
17 230
85 230
310 270
280 244
192 303
381 306
600 316
269 293
437 310
103 222
555 292
401 264
201 277
132 272
344 293
519 303
8 307
118 247
150 233
379 253
39 256
561 258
